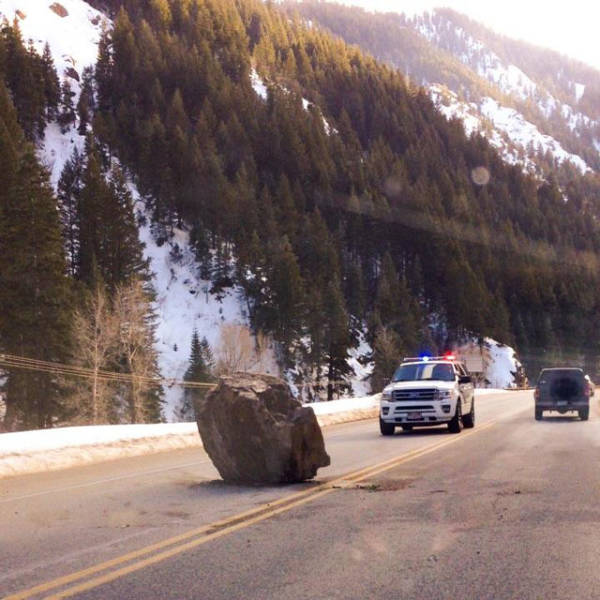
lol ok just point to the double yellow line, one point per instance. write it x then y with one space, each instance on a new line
155 553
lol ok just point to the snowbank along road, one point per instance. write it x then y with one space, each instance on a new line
63 447
165 526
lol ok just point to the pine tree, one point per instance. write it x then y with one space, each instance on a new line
199 370
86 104
337 340
51 84
108 234
104 71
123 250
66 116
34 291
24 73
94 200
286 294
69 197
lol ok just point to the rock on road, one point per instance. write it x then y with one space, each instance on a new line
507 510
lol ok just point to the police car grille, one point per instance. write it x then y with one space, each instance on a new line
413 395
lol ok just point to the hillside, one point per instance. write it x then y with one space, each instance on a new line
540 109
269 164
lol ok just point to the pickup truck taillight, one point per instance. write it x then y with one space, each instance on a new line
536 394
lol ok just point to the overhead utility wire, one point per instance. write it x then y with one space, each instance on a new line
31 364
54 368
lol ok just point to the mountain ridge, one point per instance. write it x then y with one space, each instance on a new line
359 222
474 62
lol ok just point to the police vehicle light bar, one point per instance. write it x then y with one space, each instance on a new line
427 358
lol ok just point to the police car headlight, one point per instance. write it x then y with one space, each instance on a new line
386 396
443 394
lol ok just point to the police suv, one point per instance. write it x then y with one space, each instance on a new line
428 391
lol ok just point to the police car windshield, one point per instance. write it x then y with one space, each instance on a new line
424 372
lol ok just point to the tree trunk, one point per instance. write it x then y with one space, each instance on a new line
10 417
95 397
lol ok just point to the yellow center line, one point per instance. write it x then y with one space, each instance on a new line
220 528
330 487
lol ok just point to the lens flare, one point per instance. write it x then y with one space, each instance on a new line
480 176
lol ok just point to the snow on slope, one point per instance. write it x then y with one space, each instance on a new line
524 133
506 122
258 85
497 362
44 440
183 303
502 366
508 77
73 38
361 386
73 41
56 149
261 90
505 128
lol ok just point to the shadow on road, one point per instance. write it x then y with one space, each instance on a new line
561 419
218 485
425 431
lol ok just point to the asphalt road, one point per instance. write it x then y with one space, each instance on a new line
507 510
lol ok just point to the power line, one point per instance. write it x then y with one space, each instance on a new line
54 368
13 361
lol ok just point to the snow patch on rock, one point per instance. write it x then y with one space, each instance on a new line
307 105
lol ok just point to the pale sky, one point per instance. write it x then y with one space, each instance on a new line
570 27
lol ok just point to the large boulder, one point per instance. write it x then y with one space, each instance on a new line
255 431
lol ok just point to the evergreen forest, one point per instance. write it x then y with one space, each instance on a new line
343 204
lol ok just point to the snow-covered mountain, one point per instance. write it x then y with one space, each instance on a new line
538 108
72 28
517 112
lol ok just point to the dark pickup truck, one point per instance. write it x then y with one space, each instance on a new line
563 390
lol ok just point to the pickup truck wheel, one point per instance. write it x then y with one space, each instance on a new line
406 427
456 425
469 420
538 413
386 428
584 413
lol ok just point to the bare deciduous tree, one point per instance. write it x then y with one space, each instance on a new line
95 344
239 350
136 346
386 355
